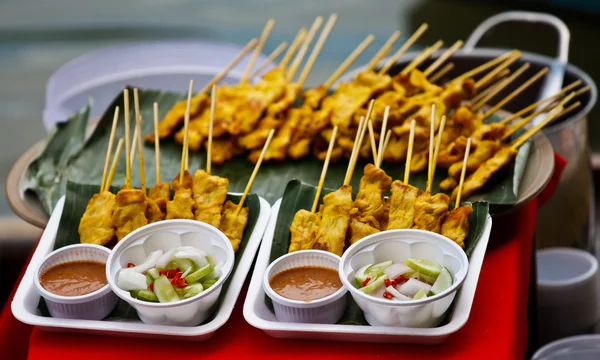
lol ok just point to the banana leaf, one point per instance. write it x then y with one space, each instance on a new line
299 195
68 155
76 199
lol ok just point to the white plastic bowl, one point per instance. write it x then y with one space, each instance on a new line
398 245
93 306
327 310
187 312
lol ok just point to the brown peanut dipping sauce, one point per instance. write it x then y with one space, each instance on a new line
74 278
306 283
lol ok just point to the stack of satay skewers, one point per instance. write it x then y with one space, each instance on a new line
340 222
201 197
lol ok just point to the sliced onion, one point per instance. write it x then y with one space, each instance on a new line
395 270
396 294
166 258
130 280
148 264
412 287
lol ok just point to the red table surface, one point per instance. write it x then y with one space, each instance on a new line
497 327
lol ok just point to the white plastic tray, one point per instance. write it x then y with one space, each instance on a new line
25 303
259 316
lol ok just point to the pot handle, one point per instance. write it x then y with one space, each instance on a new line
556 74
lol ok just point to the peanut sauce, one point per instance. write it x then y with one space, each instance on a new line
74 278
306 283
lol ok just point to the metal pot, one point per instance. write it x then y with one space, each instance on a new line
568 218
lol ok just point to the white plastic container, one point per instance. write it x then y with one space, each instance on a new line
93 306
327 310
399 245
260 316
583 347
163 65
26 300
187 312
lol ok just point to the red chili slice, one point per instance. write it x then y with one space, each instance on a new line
388 295
163 272
400 280
151 286
366 281
130 265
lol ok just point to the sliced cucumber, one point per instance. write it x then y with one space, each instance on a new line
147 295
361 276
424 266
154 272
377 269
164 290
182 264
374 285
149 278
134 293
192 290
208 283
443 282
419 295
199 274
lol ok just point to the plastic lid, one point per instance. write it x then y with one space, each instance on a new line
164 65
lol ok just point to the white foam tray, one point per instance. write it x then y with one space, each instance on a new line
25 303
259 316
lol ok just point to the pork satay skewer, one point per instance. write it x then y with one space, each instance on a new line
382 135
304 48
398 54
317 49
272 56
113 166
293 48
456 224
382 52
445 56
443 71
501 158
209 191
303 228
424 56
109 150
486 66
500 87
516 92
348 61
492 74
261 43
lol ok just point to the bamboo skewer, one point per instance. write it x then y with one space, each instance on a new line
156 145
324 171
213 101
438 143
487 65
523 138
272 56
317 49
512 95
373 144
489 89
411 142
538 103
431 141
490 76
186 122
111 139
253 176
387 46
382 135
398 54
424 56
138 138
292 49
305 44
355 158
388 136
127 146
361 125
261 42
526 120
349 60
113 166
229 66
443 71
133 146
462 174
497 89
569 109
439 61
